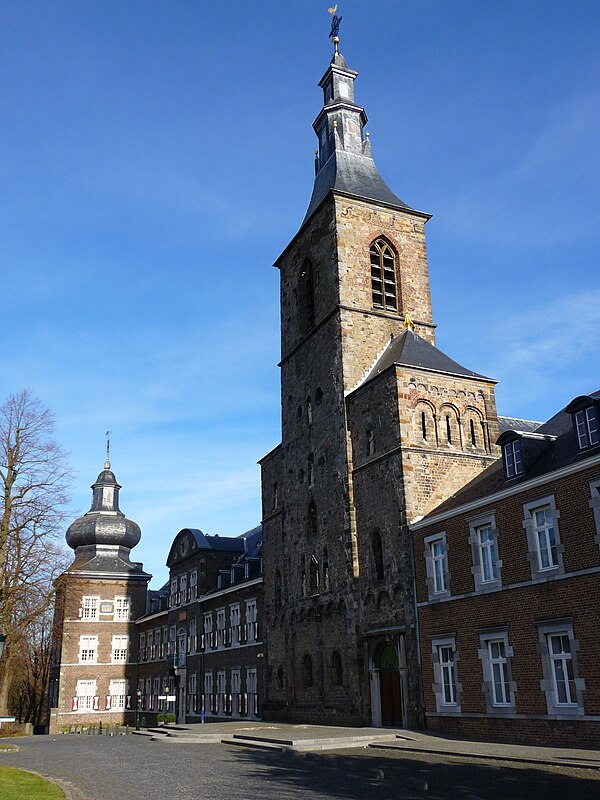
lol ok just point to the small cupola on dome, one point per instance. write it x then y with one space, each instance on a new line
104 535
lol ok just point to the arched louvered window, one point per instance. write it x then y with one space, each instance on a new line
306 298
383 276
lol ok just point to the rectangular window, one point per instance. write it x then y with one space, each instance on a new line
545 538
88 649
118 694
586 422
438 558
121 609
540 522
495 654
86 691
234 619
562 685
513 458
120 646
448 673
487 553
251 624
174 600
436 565
89 609
193 583
499 672
561 660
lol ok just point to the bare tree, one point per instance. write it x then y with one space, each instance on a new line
33 479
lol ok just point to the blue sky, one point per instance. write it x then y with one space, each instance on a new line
156 158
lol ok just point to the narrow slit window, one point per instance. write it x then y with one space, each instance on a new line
448 429
383 276
424 424
473 437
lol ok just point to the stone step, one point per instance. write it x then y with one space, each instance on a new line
254 743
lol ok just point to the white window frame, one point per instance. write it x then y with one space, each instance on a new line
235 620
194 584
539 572
432 560
122 611
476 526
251 617
119 653
489 664
88 644
118 697
587 429
86 701
512 453
548 684
440 646
90 608
594 504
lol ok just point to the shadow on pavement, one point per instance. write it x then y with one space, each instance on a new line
354 776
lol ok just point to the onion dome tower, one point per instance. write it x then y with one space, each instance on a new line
103 538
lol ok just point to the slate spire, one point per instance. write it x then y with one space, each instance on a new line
344 163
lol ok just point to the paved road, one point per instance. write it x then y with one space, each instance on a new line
133 768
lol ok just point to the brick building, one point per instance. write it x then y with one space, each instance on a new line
508 581
94 645
201 635
198 637
378 427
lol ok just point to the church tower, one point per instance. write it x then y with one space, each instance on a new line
94 648
378 427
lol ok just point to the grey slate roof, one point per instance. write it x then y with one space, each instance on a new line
562 449
354 175
517 424
411 350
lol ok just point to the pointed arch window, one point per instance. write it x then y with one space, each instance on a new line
306 297
307 671
383 276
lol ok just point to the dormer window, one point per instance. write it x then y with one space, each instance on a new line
513 458
586 424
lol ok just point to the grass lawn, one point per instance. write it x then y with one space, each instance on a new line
18 785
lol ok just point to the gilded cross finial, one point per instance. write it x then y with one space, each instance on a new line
408 323
334 34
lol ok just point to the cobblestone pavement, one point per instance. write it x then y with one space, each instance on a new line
133 768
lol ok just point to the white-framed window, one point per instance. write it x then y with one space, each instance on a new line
193 636
251 622
487 566
208 690
495 654
436 563
586 423
561 682
513 458
122 608
120 646
234 618
86 692
183 588
220 626
174 599
172 639
88 649
445 674
118 693
543 539
192 693
251 688
194 583
89 608
595 505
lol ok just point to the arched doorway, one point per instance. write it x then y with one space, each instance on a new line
390 687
